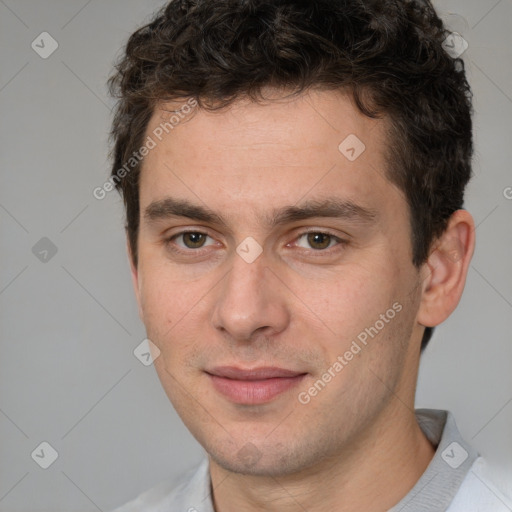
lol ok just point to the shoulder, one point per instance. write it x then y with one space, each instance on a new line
480 493
190 493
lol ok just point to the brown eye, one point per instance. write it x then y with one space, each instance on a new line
194 240
319 241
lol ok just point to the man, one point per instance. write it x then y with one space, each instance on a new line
293 174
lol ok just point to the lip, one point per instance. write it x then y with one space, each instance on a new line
253 386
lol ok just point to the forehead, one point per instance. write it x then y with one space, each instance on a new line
256 156
312 117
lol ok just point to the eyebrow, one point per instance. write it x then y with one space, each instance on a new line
328 208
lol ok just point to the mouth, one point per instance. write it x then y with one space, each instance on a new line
253 386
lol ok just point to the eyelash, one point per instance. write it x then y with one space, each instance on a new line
340 243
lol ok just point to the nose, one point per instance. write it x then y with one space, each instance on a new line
250 302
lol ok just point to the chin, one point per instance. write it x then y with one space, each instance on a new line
263 467
269 461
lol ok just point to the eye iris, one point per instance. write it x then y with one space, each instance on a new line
194 240
319 240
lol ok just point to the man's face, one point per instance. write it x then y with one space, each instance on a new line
267 254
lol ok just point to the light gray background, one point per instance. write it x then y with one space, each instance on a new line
69 326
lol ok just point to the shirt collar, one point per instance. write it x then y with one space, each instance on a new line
438 485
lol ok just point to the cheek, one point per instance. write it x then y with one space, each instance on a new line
165 302
346 299
176 314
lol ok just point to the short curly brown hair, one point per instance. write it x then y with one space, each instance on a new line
388 54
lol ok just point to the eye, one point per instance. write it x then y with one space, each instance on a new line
191 239
317 240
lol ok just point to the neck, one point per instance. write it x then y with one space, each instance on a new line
378 469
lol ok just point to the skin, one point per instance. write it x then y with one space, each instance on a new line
356 445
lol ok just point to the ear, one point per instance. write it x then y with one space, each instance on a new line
444 273
135 278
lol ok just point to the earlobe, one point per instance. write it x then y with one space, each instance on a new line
446 269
